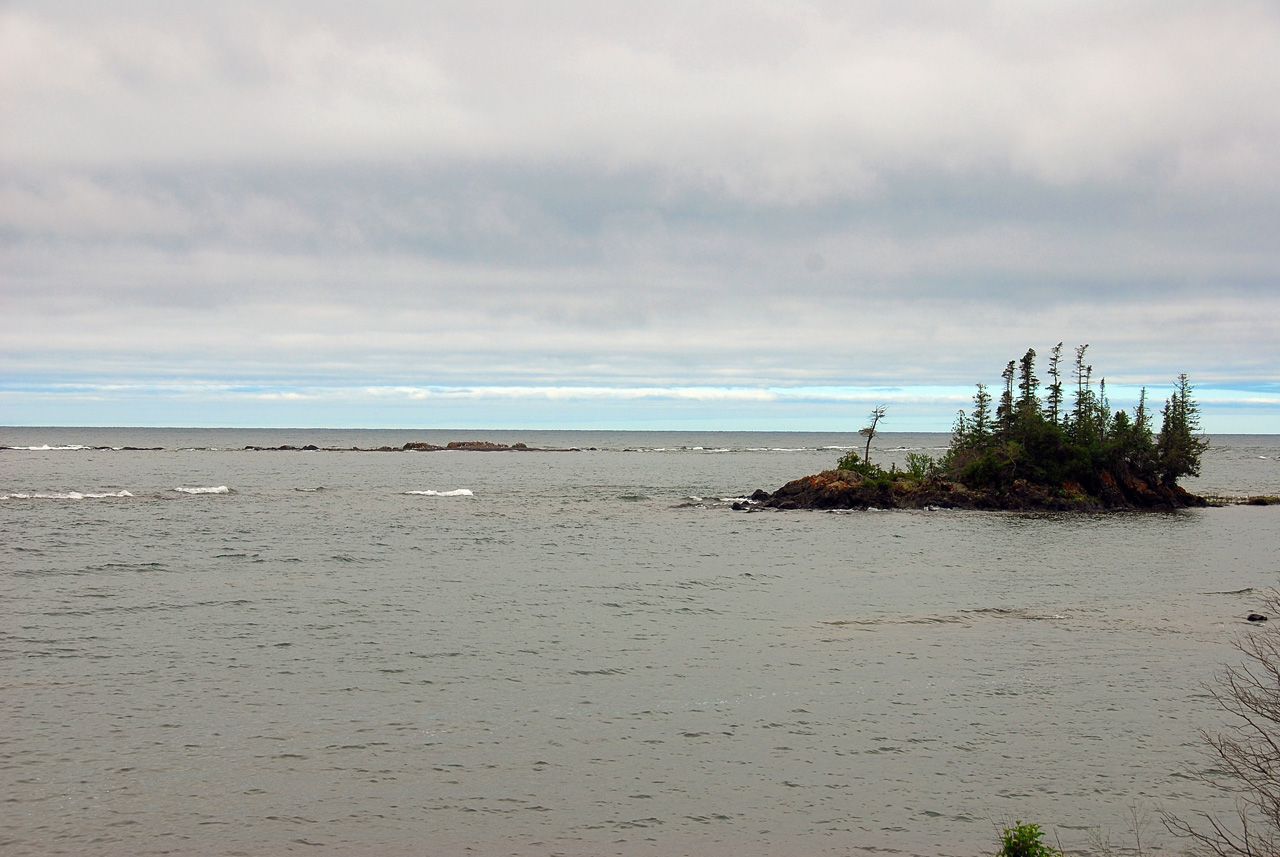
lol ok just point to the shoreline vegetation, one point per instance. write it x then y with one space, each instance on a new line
1027 453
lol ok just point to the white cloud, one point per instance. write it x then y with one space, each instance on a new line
770 102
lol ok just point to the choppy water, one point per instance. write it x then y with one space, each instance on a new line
589 652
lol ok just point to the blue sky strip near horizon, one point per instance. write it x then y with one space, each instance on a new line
728 215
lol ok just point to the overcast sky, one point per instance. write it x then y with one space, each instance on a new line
632 215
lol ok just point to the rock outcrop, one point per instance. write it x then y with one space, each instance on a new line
847 489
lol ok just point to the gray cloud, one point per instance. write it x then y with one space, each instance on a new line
633 194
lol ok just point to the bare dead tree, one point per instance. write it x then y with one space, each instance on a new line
1247 755
870 431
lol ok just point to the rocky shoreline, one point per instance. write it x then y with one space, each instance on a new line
847 489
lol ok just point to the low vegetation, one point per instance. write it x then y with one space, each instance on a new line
1024 840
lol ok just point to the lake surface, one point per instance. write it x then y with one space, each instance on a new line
589 652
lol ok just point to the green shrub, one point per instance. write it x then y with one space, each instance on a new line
1023 840
849 461
982 472
873 475
921 466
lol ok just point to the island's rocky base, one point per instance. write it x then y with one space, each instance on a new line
847 489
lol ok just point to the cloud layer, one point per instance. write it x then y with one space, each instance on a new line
744 196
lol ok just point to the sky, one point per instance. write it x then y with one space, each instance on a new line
635 215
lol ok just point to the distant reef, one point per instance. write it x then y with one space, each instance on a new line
420 446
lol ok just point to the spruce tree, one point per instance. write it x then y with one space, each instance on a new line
1004 411
980 425
1028 407
1054 401
1180 445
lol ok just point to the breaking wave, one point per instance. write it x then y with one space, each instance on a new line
67 495
457 492
47 448
220 489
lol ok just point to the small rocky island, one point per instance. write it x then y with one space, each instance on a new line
1029 454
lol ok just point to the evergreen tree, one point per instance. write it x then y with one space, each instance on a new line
1028 406
1179 446
1054 401
1102 412
1142 419
1082 417
981 423
1004 411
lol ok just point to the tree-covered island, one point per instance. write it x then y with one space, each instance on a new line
1064 451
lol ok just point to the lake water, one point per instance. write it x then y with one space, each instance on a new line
589 653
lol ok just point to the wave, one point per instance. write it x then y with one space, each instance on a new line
47 448
457 492
220 489
68 495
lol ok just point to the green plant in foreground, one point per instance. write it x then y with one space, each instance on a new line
1023 840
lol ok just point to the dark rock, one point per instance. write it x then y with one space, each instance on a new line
477 446
420 446
845 489
311 447
1256 617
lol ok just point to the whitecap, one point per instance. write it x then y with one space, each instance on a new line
47 448
67 495
457 492
220 489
